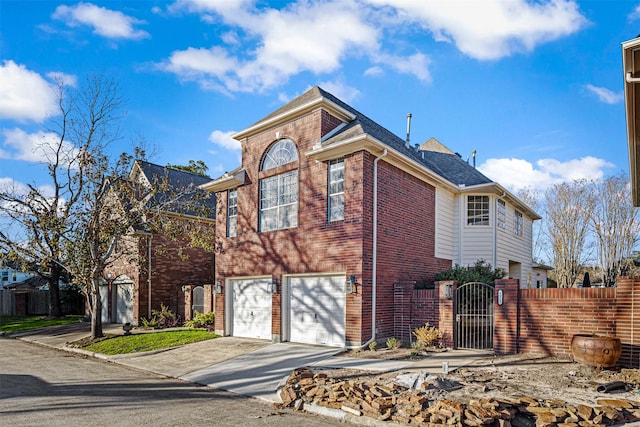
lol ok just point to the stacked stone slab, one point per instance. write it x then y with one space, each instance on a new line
403 405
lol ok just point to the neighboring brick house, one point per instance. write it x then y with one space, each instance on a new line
158 270
329 210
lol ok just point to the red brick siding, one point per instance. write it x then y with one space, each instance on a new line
406 233
545 320
313 246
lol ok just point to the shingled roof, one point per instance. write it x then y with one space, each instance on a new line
181 186
448 165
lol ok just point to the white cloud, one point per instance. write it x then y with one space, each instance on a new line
517 173
635 14
64 79
416 65
105 22
605 95
491 29
340 90
302 37
224 140
374 71
24 94
35 147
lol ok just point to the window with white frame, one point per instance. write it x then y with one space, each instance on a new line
477 210
501 214
518 223
232 212
279 193
336 190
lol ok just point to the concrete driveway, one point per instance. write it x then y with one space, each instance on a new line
260 372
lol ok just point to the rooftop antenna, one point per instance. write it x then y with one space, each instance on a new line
408 129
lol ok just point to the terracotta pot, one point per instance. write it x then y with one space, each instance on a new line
600 352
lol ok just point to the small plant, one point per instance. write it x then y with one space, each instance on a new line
163 318
150 323
373 345
416 348
393 343
201 320
427 336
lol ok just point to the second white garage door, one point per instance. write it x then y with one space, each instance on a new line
251 308
318 309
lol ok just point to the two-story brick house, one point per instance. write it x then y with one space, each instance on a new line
153 269
328 210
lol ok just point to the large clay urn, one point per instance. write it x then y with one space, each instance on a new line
592 350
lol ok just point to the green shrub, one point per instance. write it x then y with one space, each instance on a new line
481 271
373 345
201 320
415 349
163 318
393 343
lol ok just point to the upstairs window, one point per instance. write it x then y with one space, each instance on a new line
336 190
501 214
477 210
232 212
518 223
279 193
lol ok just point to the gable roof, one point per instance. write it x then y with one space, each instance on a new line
431 162
178 190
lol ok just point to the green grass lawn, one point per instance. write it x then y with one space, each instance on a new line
134 343
23 323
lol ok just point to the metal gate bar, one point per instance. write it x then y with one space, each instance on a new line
474 316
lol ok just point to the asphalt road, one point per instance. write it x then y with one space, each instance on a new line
40 386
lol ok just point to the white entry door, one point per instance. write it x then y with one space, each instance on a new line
251 308
318 310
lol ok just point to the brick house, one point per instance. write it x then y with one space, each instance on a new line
329 210
157 270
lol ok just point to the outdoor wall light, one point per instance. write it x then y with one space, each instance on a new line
273 286
349 285
448 291
185 288
218 287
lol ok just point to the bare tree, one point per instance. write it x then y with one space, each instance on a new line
568 211
532 198
615 226
40 216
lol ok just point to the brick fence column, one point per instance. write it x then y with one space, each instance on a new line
187 302
208 298
628 320
506 316
218 305
446 321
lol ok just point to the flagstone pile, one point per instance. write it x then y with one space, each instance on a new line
405 405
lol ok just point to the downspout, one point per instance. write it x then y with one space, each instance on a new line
149 276
374 270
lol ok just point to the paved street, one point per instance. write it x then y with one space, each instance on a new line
41 386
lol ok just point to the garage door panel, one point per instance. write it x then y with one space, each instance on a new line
251 308
318 310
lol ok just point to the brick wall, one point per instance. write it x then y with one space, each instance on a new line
545 320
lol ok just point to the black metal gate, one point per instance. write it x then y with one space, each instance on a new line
474 316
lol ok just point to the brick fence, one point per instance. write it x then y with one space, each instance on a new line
541 321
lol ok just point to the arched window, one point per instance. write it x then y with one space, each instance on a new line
279 193
280 153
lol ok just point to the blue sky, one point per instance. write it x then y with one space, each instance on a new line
534 87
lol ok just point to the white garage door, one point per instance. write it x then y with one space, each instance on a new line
251 308
318 309
124 303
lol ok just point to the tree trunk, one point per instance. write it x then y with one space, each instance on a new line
55 306
96 313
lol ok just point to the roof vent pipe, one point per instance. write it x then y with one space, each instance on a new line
473 154
408 128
